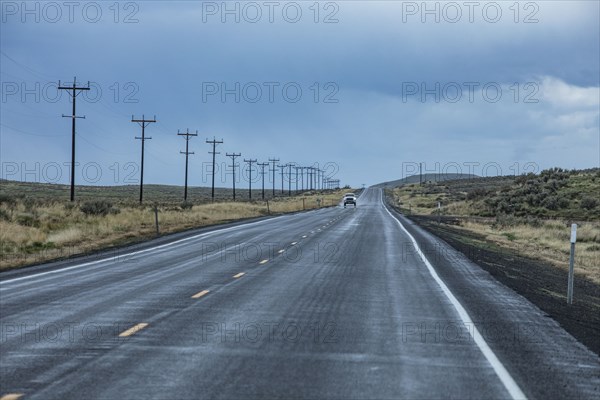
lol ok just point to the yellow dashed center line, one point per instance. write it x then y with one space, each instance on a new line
263 261
133 330
239 275
200 294
11 396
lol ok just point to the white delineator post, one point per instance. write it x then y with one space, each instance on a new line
571 264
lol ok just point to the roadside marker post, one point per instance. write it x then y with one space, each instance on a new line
156 220
571 264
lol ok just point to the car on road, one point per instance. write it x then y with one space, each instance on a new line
349 198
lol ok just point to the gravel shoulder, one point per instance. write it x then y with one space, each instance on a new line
541 283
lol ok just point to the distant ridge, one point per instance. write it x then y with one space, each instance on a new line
426 178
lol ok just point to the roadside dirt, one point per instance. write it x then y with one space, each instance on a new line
542 284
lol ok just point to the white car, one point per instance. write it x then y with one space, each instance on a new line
349 198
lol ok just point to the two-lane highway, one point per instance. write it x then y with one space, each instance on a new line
335 303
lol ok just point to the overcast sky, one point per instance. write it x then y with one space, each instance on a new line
364 89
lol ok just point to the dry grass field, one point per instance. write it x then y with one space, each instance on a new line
515 213
39 228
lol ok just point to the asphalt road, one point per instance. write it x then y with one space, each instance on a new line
336 303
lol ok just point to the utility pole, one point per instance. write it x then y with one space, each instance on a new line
282 167
302 176
187 135
289 179
310 176
143 123
233 157
297 168
73 92
214 143
250 162
274 160
420 174
262 172
319 178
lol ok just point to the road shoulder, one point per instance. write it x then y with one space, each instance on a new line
532 346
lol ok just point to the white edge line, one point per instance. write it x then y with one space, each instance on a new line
507 380
134 253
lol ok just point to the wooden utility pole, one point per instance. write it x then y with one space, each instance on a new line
262 172
214 143
274 161
233 157
187 136
143 123
250 162
73 92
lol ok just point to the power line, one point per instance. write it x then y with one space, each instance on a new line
187 135
29 69
75 90
143 123
233 157
29 133
214 143
250 162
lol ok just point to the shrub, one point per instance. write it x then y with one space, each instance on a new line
477 193
550 202
588 203
28 220
29 203
186 205
98 207
510 236
563 202
534 222
504 221
4 215
7 199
